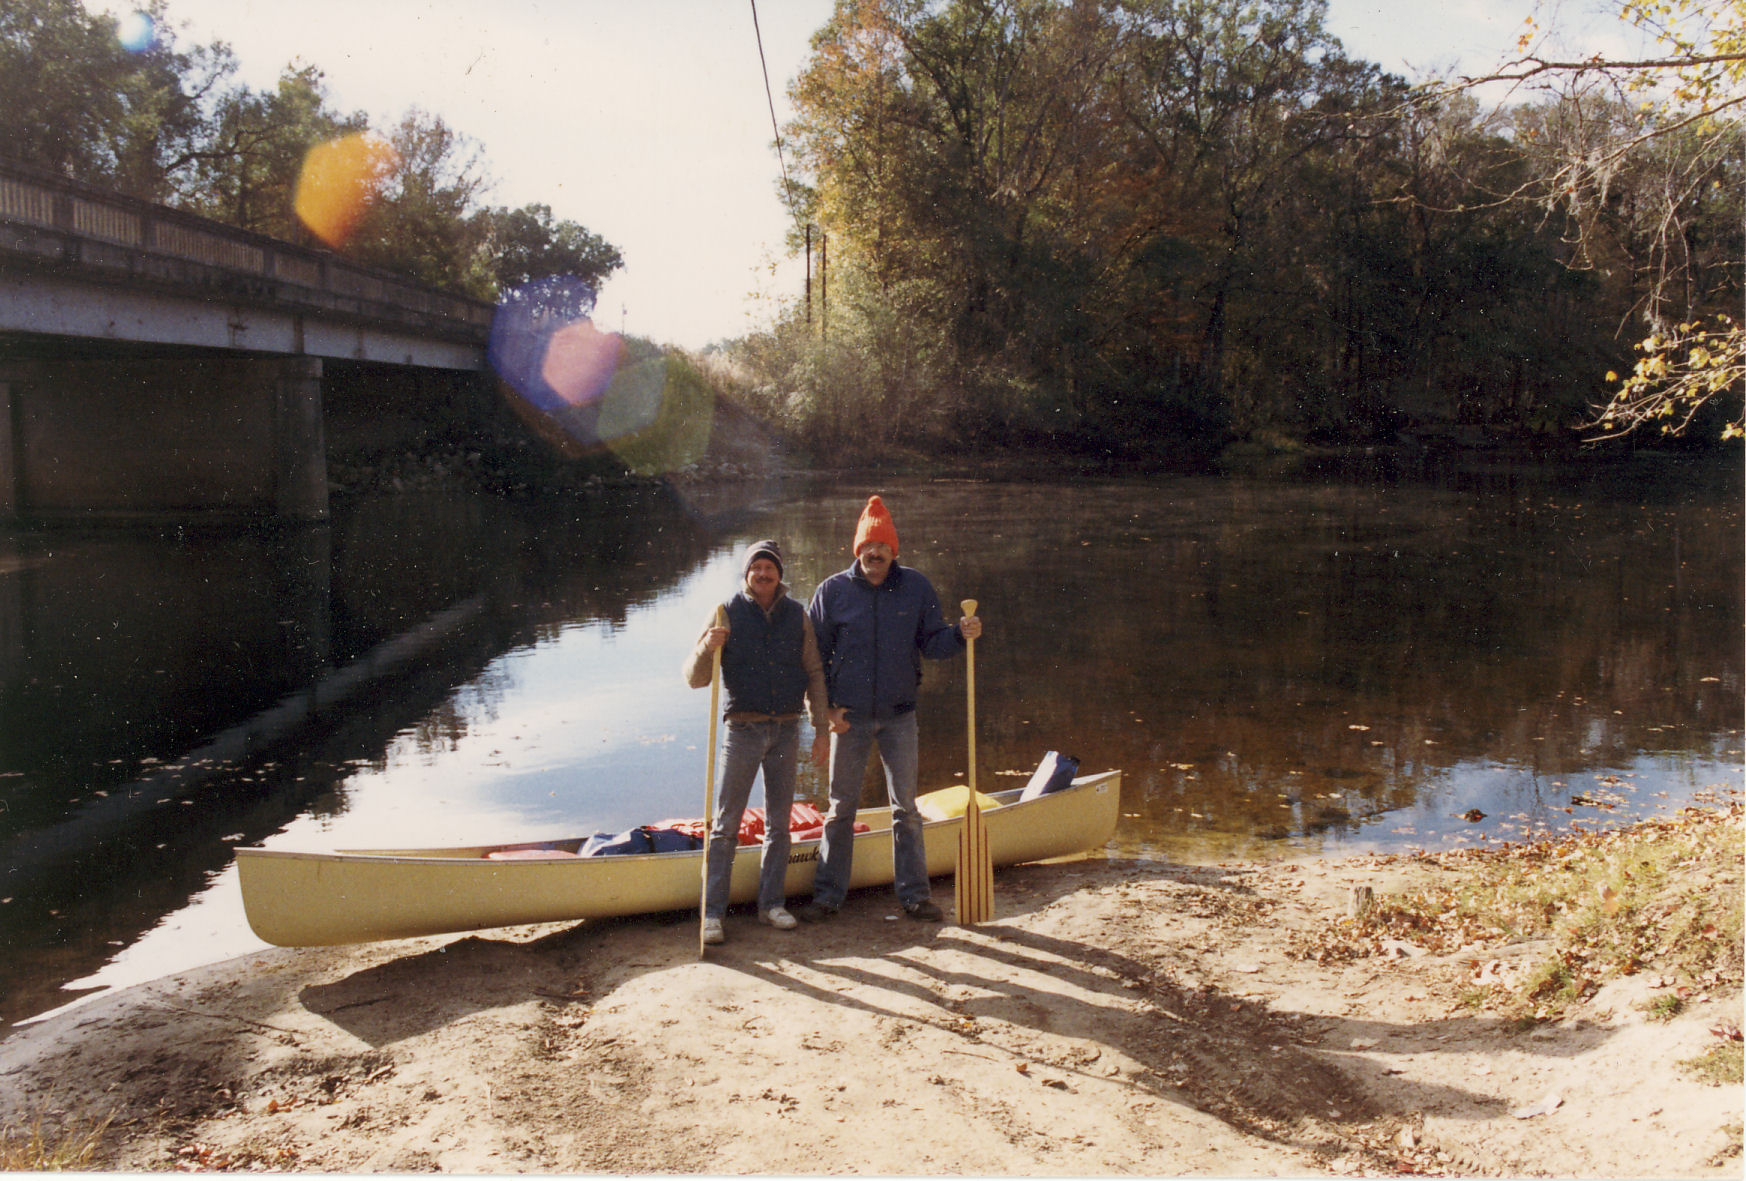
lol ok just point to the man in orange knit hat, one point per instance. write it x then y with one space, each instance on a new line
874 622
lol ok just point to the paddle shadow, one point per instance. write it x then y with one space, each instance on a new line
1270 1072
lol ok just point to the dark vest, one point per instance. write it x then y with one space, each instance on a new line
760 664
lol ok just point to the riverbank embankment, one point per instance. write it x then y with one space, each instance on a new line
1379 1015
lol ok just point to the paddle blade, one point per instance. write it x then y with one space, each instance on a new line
973 887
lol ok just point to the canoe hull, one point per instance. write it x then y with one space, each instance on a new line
319 899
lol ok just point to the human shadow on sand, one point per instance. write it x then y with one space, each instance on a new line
1001 987
1268 1072
417 994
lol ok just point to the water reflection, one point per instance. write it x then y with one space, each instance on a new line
1280 667
165 695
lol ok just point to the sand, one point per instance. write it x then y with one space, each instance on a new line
1117 1017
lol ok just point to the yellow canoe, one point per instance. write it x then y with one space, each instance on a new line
315 899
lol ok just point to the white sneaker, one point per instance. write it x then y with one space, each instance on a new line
778 918
712 932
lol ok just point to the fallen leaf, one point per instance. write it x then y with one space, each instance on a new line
1545 1106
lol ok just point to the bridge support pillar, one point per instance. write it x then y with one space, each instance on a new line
299 442
8 453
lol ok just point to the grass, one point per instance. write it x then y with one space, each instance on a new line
1719 1066
1662 896
70 1147
1666 1007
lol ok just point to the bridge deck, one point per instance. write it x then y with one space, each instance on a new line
80 263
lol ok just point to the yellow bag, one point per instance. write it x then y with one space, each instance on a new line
951 802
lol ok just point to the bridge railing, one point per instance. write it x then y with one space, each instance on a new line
91 229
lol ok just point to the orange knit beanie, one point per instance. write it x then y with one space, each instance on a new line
875 525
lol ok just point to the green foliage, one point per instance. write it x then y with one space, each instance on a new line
1719 1066
257 140
423 222
527 243
74 101
1643 161
1666 1007
161 123
1154 225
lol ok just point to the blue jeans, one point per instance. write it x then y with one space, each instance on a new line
774 746
896 739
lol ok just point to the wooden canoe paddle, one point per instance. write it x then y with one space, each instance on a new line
973 888
709 781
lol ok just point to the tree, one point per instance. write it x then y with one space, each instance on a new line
430 223
1648 159
155 120
246 173
75 100
528 243
423 222
1142 223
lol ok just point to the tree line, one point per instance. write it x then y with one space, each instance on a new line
167 122
1124 226
1142 225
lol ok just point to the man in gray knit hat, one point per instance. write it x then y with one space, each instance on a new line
771 670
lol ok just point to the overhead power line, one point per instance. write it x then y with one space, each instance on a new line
769 95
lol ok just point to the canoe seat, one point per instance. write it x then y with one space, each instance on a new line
1054 773
529 855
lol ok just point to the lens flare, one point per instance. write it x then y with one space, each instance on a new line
551 360
583 392
339 181
579 362
137 32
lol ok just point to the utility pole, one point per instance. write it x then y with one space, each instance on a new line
824 285
809 274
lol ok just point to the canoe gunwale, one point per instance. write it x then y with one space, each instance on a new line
466 854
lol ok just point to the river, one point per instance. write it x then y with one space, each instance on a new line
1283 665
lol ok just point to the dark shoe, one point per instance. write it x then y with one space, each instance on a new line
924 912
816 912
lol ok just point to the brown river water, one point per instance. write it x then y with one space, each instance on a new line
1299 665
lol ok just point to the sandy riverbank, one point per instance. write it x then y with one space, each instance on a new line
1118 1017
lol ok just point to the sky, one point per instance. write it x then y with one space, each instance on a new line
647 121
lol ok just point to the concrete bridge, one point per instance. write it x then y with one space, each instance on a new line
156 362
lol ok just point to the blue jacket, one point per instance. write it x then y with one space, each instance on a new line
872 638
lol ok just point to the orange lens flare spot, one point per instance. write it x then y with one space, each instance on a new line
339 181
